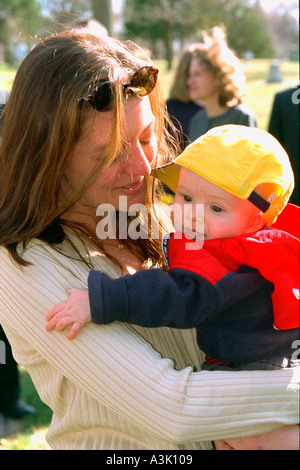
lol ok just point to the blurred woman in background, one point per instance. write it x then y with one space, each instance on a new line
216 79
180 106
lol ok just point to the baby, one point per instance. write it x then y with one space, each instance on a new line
237 282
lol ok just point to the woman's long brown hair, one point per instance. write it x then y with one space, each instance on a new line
42 122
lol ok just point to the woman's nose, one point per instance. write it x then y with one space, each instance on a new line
137 163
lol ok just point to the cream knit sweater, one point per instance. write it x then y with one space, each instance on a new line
125 387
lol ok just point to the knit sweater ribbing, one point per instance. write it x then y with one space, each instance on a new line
110 389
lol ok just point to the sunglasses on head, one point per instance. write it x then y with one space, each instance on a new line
141 83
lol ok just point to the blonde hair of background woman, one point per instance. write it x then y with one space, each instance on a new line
214 52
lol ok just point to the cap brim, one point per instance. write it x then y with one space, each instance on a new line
168 174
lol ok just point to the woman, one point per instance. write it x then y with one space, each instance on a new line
216 78
180 106
83 127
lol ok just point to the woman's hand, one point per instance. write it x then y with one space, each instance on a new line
74 311
284 438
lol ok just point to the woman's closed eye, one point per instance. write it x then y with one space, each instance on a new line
148 137
144 143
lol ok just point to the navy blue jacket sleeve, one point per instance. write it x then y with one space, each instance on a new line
152 298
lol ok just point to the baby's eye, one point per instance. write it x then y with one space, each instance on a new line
187 198
216 209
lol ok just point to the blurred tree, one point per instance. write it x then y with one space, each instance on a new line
158 22
167 20
149 21
59 13
247 30
283 28
20 20
102 11
183 20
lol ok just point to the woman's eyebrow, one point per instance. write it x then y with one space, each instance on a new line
98 149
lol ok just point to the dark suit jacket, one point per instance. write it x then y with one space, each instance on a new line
284 125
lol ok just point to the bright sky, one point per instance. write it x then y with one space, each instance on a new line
270 4
117 5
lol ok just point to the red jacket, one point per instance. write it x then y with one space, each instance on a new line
274 252
231 308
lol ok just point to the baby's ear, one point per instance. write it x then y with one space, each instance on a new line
257 222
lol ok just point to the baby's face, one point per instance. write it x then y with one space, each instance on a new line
208 211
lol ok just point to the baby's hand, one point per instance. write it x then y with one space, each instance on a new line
74 311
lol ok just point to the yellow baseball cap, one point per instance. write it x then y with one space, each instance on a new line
238 159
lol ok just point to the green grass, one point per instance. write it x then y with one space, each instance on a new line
31 431
260 97
260 94
6 77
